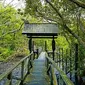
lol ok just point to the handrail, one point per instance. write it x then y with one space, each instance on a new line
50 52
63 75
2 76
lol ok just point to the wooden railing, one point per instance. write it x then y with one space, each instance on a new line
66 61
62 78
9 76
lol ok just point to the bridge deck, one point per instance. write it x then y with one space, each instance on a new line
38 75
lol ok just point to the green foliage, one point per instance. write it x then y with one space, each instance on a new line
63 12
4 53
35 12
62 43
11 38
31 6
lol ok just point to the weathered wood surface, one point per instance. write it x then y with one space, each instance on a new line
38 75
63 75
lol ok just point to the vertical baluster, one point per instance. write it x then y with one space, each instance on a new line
46 46
9 77
30 61
59 79
70 64
22 73
66 63
47 63
51 75
33 55
28 67
63 64
30 44
37 53
62 60
59 57
76 64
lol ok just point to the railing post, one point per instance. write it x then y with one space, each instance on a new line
37 53
62 61
30 44
33 46
70 63
30 61
59 79
51 75
76 64
9 77
22 73
66 61
47 63
59 58
28 67
33 55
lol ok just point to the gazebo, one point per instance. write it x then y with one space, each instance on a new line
41 30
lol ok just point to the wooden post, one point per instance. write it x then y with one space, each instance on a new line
62 61
22 73
33 46
30 44
70 64
47 63
59 58
45 46
28 66
37 53
76 64
51 75
9 77
53 47
66 61
33 50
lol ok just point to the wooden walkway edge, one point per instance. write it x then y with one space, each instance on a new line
38 75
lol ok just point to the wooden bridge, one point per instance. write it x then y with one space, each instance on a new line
35 72
44 68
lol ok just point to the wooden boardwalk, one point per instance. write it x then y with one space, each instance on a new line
38 75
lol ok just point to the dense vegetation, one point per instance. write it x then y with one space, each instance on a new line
11 39
68 14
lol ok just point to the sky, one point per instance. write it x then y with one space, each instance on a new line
15 3
18 4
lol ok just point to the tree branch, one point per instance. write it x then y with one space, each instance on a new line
78 3
66 37
13 31
55 9
65 26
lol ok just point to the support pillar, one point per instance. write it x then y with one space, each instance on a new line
45 46
30 44
53 47
33 46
